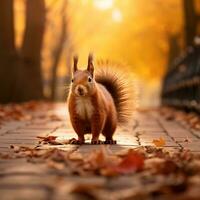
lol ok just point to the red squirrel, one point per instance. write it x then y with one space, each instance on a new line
98 102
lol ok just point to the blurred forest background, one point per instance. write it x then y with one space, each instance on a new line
39 37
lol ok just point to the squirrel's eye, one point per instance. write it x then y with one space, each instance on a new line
89 79
72 80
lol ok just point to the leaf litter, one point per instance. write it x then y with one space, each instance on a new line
191 119
25 111
160 171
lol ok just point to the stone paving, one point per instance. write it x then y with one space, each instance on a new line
22 180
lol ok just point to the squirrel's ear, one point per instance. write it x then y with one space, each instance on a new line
90 67
75 63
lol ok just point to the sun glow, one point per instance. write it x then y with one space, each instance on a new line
103 4
117 15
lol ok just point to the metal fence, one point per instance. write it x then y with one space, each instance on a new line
181 85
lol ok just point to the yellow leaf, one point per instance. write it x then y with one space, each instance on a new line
159 142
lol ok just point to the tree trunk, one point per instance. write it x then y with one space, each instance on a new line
190 19
29 76
57 53
8 53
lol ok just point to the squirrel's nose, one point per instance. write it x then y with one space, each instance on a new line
80 91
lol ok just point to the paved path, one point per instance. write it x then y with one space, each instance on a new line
20 179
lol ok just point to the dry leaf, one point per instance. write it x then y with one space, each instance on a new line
5 156
55 165
163 171
99 159
54 140
76 156
48 140
159 142
131 162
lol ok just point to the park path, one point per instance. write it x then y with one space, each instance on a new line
20 179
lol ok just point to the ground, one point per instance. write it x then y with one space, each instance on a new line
20 179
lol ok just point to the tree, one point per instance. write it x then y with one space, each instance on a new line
21 68
8 54
57 51
191 19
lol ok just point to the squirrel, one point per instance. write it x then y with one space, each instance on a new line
98 102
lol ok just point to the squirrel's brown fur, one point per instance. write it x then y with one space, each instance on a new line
97 104
121 90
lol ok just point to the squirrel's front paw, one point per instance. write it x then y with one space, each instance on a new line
110 142
75 141
96 142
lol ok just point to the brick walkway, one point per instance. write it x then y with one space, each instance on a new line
20 179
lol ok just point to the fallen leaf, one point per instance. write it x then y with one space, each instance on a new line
47 138
159 142
55 165
131 162
54 140
5 156
24 151
76 156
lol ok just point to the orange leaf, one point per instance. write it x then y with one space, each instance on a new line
47 138
159 142
132 162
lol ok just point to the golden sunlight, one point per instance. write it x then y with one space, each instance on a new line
132 32
116 15
103 4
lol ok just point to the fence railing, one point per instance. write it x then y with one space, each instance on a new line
181 85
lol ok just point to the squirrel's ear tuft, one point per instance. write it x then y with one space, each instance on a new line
75 63
90 67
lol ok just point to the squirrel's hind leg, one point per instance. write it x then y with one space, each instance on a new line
97 125
109 139
109 131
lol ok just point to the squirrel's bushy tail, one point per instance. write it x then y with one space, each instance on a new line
121 89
